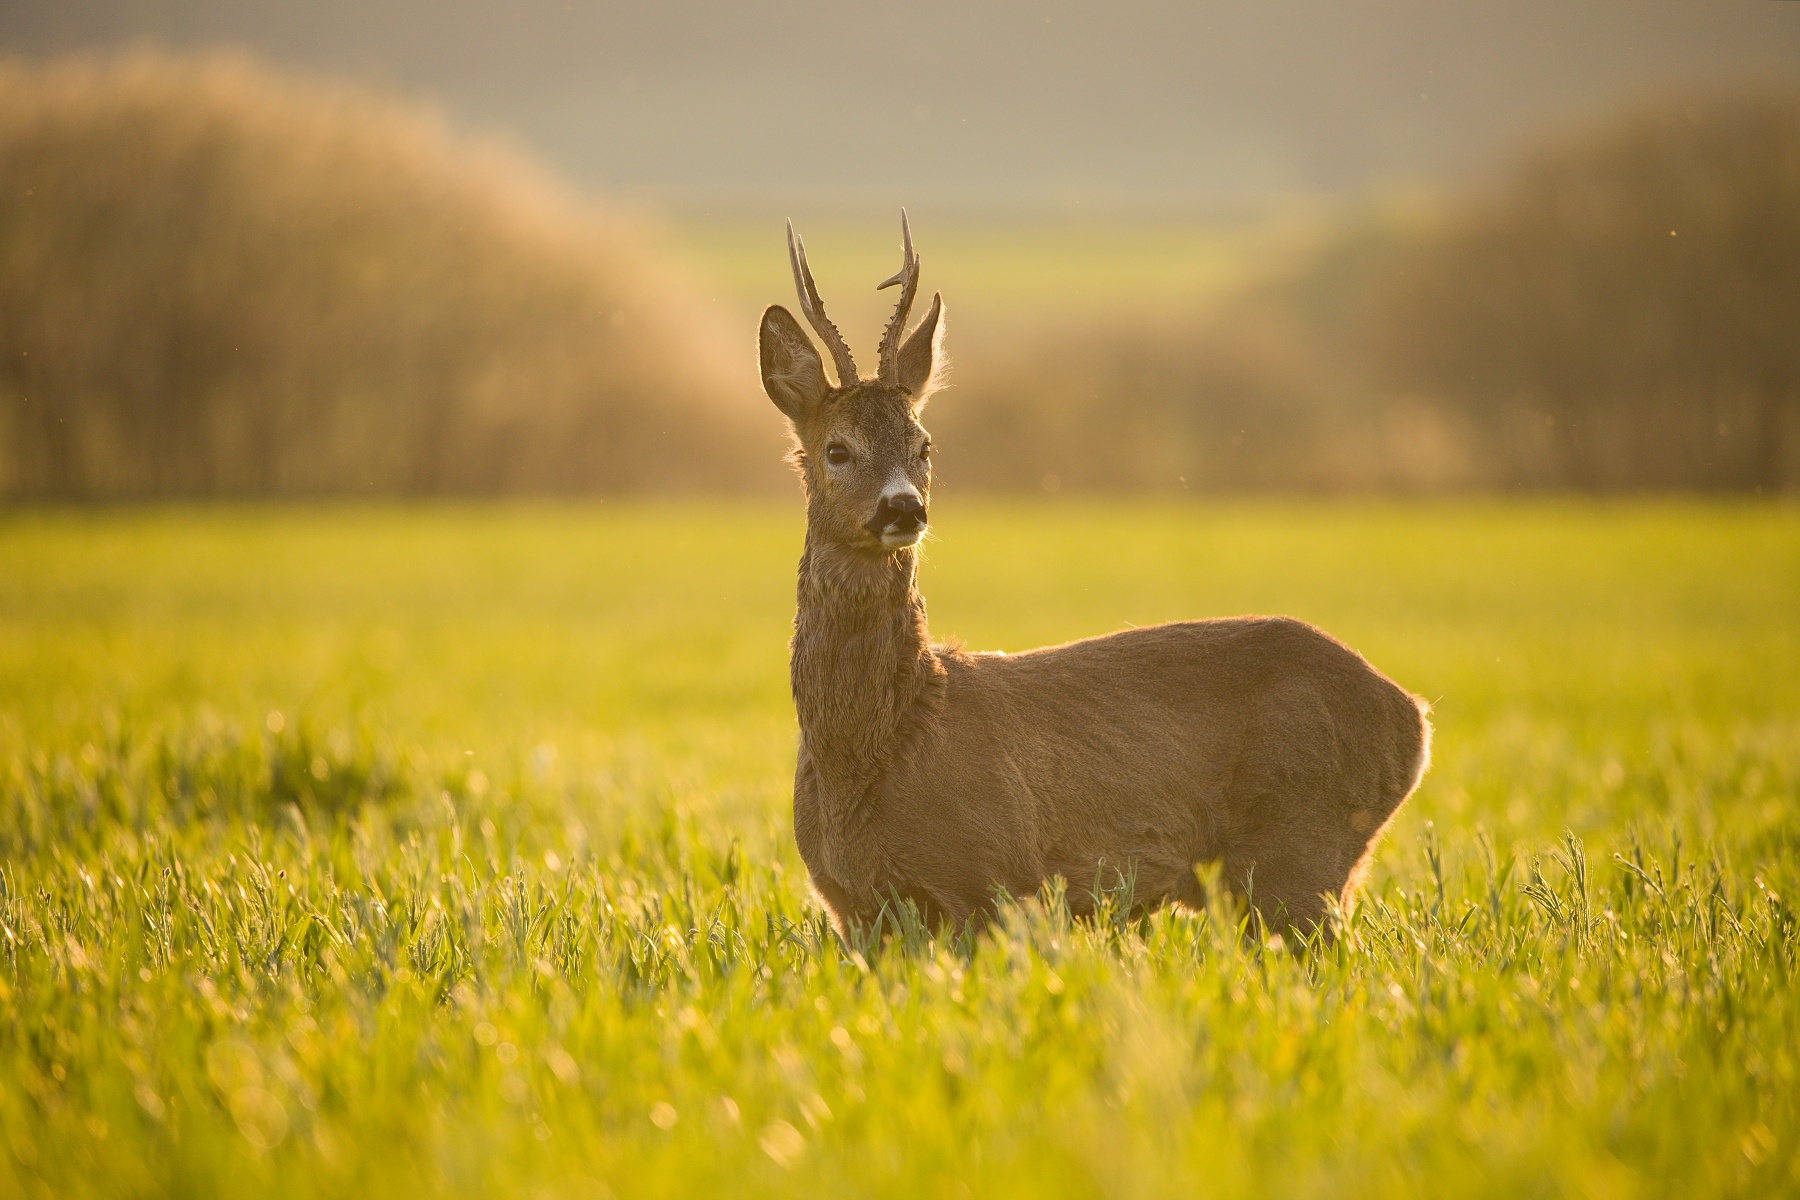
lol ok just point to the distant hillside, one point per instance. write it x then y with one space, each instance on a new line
218 281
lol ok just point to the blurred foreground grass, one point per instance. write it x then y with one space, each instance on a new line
353 852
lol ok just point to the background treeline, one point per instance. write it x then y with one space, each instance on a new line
1619 310
216 281
1625 310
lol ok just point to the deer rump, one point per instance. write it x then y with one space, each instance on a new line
1259 743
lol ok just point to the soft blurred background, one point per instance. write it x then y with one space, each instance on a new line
260 249
396 571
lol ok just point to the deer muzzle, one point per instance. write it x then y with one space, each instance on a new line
899 521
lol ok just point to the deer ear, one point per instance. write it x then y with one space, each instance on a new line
792 372
921 359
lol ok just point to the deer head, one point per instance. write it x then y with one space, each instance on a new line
863 457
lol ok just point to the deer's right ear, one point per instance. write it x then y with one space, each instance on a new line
792 372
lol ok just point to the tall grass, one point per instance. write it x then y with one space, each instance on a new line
445 852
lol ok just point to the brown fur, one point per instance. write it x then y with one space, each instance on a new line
938 776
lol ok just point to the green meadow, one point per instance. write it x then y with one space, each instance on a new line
443 851
1003 275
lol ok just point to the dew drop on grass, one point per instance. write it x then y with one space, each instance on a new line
260 1117
782 1143
563 1065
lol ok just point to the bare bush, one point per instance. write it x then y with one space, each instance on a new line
216 281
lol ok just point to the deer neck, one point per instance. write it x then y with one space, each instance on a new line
862 664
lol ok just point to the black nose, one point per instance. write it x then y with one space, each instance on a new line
905 513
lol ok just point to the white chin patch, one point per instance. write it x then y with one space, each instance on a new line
895 540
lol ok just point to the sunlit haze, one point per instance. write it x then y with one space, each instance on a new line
1002 104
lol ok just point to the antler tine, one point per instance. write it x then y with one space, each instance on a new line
908 279
814 308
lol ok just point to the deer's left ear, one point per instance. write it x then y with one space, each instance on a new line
920 362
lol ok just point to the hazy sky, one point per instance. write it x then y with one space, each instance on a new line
988 103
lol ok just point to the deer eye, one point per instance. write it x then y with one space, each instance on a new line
837 453
925 451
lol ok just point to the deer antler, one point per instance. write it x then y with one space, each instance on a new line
814 309
908 279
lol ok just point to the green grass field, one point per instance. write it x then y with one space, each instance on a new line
1001 273
443 851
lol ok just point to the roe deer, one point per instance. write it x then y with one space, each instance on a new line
930 774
